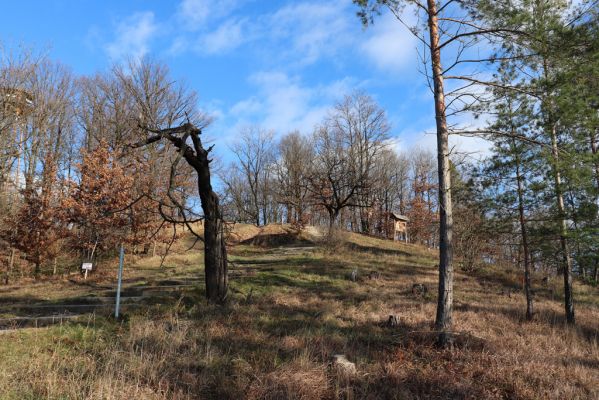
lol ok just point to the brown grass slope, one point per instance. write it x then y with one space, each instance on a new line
292 307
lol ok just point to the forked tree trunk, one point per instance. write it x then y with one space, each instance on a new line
443 321
215 252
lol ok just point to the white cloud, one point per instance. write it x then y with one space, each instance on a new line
311 30
390 46
471 147
298 33
283 103
133 35
475 148
197 13
178 46
226 37
246 107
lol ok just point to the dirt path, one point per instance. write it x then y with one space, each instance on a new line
20 315
27 311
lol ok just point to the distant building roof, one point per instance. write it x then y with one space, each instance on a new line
400 217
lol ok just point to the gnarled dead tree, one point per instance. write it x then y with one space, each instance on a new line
215 253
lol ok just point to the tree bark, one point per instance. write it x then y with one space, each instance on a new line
333 215
563 231
443 322
594 151
215 251
524 233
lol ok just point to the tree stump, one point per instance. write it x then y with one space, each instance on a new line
419 289
393 321
374 275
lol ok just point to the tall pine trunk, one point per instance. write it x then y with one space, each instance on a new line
550 126
443 322
563 231
524 234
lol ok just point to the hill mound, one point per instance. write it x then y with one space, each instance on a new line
292 312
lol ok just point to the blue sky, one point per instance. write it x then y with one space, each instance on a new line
280 64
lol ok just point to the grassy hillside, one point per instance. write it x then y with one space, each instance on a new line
293 306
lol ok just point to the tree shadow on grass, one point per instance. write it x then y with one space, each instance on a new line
276 239
548 317
365 343
377 250
418 385
263 282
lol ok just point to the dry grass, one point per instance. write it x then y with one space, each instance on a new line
292 310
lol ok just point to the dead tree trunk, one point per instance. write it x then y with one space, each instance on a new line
215 253
443 321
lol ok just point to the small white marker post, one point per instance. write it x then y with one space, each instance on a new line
86 267
120 280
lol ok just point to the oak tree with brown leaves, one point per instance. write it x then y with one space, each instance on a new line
96 203
37 227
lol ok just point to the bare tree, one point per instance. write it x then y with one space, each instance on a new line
389 180
365 127
215 253
292 170
162 107
346 146
423 205
255 157
334 181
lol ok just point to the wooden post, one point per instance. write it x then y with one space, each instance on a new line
11 262
119 282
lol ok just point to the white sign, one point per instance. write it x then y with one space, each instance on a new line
86 267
